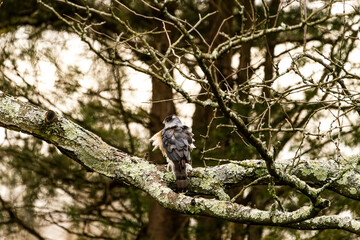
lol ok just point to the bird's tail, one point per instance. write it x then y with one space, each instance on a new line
180 174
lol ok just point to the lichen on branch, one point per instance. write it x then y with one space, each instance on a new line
91 152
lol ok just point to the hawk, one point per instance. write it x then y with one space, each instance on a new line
175 142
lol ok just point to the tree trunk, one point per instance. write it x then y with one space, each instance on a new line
163 223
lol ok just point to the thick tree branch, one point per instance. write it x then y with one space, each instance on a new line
329 222
314 172
90 151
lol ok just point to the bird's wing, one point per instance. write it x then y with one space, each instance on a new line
176 143
189 136
177 147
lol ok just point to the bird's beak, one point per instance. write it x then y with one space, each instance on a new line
163 122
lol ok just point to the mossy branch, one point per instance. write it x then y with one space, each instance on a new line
90 151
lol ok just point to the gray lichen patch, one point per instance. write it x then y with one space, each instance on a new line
355 225
159 192
231 171
221 194
321 174
207 183
36 117
142 173
9 107
346 178
219 207
353 190
70 129
311 169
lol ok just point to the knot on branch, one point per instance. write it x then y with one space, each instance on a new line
50 116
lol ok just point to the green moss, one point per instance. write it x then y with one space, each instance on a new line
260 172
306 171
193 209
352 190
320 174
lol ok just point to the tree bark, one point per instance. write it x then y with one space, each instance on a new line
91 152
162 106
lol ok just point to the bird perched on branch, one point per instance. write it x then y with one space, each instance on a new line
175 142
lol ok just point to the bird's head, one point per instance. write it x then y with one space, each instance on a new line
171 120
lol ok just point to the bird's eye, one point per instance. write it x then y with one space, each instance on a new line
168 118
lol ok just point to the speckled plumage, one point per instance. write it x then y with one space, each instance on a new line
175 142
